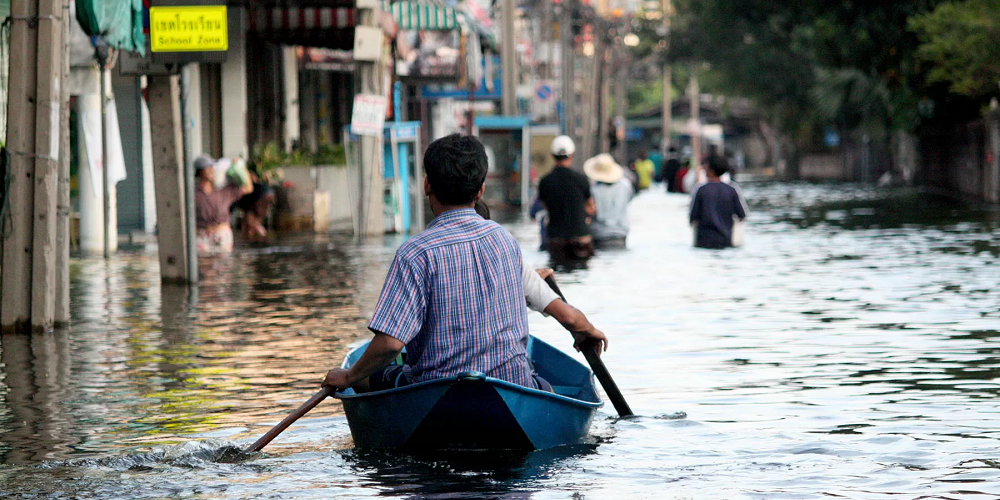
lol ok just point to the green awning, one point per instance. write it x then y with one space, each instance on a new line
424 16
118 22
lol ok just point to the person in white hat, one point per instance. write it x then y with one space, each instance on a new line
565 193
612 194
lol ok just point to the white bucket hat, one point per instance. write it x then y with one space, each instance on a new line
602 168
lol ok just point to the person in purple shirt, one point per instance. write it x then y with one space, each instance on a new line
453 295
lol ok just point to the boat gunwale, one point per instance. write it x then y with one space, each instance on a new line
464 377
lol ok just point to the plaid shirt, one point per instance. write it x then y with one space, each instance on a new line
454 296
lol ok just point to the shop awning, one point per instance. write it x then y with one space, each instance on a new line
331 27
118 22
424 16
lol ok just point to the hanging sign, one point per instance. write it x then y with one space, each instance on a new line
189 28
368 117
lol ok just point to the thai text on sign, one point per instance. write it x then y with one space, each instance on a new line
202 28
368 116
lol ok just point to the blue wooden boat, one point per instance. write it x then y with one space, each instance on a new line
474 412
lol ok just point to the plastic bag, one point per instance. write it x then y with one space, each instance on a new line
238 173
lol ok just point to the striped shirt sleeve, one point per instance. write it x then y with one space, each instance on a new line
402 305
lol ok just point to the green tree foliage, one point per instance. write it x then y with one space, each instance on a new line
961 41
812 63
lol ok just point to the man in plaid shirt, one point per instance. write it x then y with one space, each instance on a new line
453 295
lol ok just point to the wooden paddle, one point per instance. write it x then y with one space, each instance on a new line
601 371
317 398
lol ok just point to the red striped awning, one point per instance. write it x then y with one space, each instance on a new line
331 27
301 18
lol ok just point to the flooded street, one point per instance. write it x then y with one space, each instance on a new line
850 349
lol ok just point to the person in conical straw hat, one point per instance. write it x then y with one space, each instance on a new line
612 194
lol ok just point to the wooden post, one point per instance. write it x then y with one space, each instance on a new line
168 171
15 312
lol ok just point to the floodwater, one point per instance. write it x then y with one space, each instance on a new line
851 349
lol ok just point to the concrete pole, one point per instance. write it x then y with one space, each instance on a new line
546 40
508 56
292 128
64 208
694 95
592 111
47 128
190 101
604 142
234 88
667 113
191 86
307 109
568 54
105 182
621 105
15 312
90 188
165 121
992 185
371 81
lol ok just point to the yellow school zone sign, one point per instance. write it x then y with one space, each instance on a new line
202 28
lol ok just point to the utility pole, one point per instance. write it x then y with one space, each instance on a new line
168 173
63 207
508 58
46 196
34 117
568 54
105 182
693 95
18 231
604 141
621 104
667 113
370 78
588 137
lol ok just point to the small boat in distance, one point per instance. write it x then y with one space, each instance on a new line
474 412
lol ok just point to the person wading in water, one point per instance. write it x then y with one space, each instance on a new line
566 196
211 207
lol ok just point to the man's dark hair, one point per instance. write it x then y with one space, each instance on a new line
718 164
456 168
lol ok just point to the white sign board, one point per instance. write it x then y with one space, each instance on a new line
368 117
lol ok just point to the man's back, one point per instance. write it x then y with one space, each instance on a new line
713 206
565 193
612 202
454 296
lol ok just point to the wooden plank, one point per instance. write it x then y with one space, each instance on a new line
165 122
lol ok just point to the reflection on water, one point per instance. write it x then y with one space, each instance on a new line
850 349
